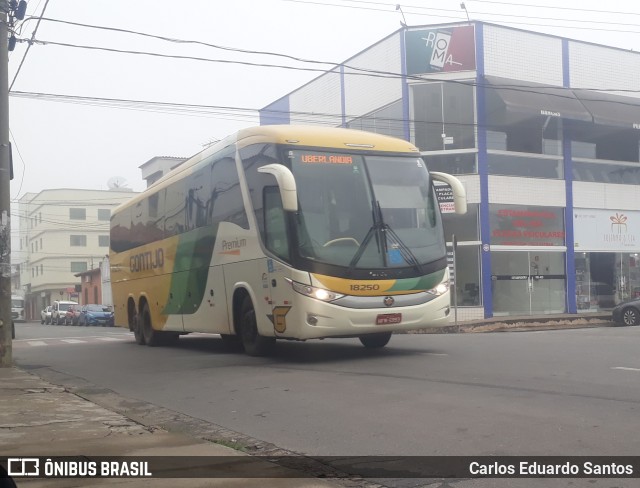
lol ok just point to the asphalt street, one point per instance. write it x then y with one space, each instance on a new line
563 392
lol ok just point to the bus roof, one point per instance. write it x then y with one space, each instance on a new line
318 136
301 135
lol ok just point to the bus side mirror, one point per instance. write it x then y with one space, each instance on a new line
459 193
286 183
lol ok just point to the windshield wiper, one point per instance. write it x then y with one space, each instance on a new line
382 231
404 250
372 232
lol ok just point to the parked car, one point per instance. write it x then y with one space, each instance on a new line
45 315
627 313
59 311
73 315
96 315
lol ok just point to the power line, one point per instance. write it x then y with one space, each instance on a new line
512 4
33 36
457 17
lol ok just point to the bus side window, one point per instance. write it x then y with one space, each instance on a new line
274 223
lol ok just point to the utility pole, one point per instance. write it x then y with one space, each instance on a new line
6 346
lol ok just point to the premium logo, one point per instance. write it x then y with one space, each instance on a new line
388 301
233 246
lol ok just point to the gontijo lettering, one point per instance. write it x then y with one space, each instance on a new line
146 261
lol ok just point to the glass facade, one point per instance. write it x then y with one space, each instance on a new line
528 261
605 279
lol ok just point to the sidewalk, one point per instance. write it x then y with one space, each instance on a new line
524 323
38 418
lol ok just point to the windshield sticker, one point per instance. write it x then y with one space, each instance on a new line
395 256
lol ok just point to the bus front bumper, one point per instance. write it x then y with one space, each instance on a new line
314 319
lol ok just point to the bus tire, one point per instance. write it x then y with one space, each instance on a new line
152 338
254 344
137 330
374 341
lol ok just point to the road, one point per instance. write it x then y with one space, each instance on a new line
566 392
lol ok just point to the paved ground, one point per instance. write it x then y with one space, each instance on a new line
39 418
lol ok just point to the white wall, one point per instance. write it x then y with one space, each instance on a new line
510 53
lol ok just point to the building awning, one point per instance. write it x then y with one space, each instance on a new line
536 100
608 109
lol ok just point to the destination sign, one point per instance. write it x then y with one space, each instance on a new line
322 158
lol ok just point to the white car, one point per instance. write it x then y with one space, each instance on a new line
59 311
45 315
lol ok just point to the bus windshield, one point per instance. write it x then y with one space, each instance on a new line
366 211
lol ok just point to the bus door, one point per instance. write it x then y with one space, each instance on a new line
280 294
277 242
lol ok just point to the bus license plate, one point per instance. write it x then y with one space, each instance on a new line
388 318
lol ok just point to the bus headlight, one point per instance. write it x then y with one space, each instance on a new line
441 289
313 292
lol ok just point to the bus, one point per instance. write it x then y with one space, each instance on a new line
17 308
285 232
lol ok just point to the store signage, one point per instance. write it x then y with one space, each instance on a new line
606 230
440 50
513 225
444 194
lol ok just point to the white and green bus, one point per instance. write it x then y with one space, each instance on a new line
285 232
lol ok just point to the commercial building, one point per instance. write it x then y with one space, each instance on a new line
542 130
63 232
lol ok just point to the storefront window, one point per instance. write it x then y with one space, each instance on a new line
627 174
605 279
454 164
444 116
528 167
526 225
528 282
464 227
467 278
387 121
607 244
608 143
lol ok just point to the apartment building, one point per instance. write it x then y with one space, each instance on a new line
63 232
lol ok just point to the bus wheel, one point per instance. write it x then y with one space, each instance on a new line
151 337
375 340
137 330
254 344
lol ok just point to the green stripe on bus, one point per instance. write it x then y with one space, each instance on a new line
191 268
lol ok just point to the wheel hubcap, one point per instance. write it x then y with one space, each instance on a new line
630 317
